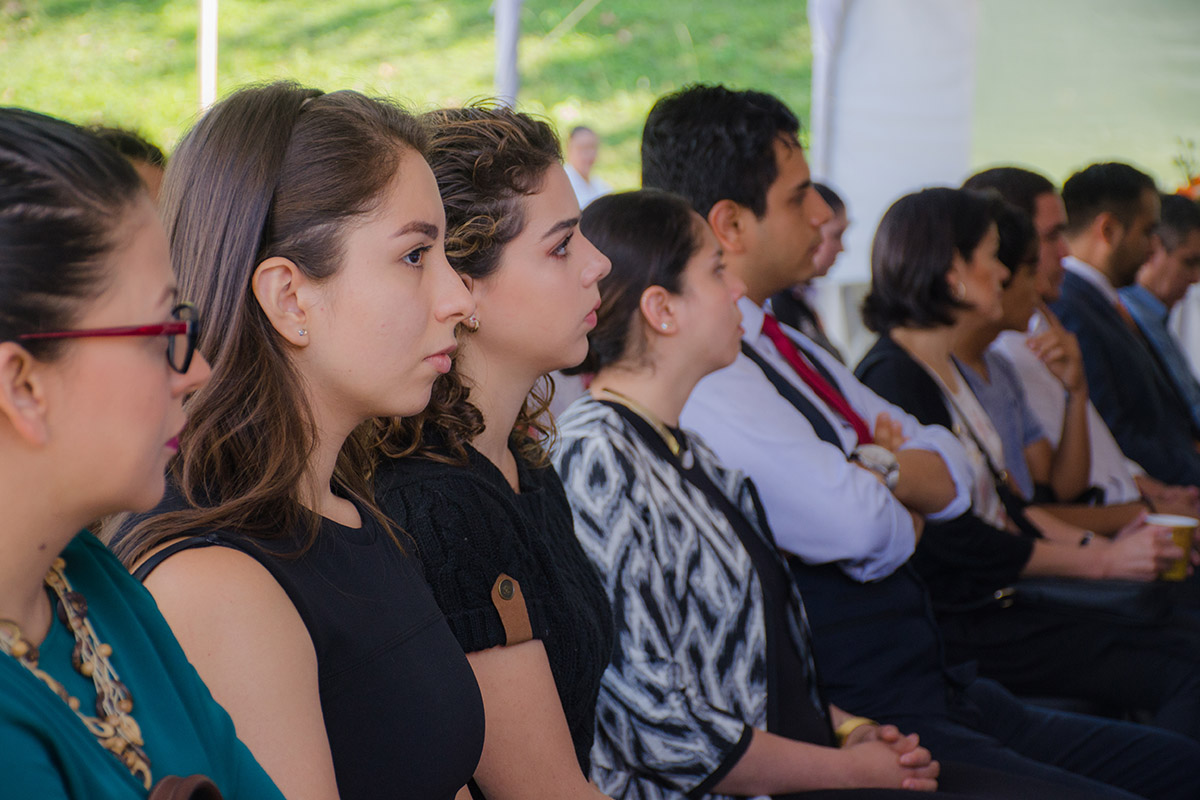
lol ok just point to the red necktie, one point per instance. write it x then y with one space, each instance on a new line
824 389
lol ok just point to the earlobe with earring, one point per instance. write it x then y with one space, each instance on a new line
471 323
666 326
302 331
960 291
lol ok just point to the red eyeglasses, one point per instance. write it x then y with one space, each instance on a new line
181 341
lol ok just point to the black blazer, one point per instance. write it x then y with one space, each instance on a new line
963 559
1128 387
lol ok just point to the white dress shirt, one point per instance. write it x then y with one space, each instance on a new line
586 190
1047 398
820 506
1093 276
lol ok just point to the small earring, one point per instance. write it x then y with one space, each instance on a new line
302 331
472 323
665 326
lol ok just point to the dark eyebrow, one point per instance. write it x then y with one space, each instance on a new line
418 226
561 225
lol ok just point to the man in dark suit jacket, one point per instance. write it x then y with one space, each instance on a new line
1112 212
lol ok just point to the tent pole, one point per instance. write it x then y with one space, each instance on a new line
208 53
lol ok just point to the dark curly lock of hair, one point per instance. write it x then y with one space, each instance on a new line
487 159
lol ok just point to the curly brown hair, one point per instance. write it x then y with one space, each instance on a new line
274 170
486 159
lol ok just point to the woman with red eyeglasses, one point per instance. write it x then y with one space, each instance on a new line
96 356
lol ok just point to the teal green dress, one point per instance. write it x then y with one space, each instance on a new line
48 754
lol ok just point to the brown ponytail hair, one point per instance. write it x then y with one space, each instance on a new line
274 170
486 159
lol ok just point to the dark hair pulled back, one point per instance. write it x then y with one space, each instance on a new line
64 195
649 236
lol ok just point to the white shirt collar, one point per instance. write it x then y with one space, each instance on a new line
752 319
1093 276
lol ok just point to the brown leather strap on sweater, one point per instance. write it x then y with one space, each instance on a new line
514 615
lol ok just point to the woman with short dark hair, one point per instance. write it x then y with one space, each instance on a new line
934 265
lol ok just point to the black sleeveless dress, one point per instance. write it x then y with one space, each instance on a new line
402 709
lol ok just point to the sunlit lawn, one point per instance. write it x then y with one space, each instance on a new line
134 63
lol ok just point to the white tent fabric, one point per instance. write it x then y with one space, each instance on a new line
893 89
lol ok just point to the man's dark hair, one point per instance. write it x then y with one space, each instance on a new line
1021 187
132 145
1180 216
1018 248
832 199
1110 187
709 143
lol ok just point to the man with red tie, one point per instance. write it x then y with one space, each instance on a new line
848 479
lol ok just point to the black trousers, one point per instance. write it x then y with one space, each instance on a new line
1123 666
1081 755
978 783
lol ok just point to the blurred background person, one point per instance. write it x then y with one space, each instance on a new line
796 306
583 145
1173 266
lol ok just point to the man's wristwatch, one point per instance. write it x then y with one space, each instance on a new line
879 460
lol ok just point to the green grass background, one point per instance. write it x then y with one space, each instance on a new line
1060 82
134 63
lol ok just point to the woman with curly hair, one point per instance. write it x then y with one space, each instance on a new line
469 479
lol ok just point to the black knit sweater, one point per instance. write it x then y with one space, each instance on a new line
469 526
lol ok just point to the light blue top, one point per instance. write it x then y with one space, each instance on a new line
1003 398
1151 314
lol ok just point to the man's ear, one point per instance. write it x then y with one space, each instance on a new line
285 294
23 394
655 305
1109 227
728 222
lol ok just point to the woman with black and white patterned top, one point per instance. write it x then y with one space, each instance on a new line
713 691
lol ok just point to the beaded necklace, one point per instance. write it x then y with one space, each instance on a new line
113 726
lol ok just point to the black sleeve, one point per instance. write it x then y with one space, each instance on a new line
896 377
465 537
965 559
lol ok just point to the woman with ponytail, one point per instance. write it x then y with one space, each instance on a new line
309 228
